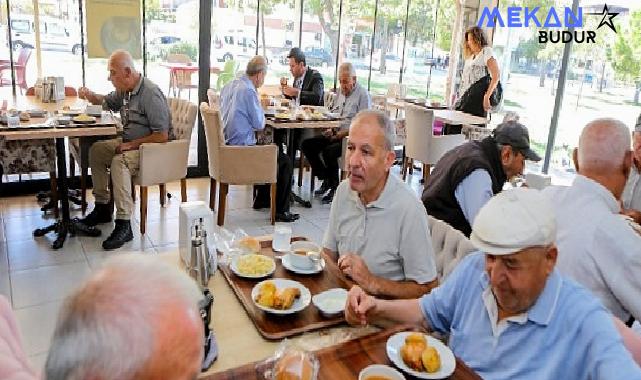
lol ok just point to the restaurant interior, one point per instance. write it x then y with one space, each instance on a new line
276 297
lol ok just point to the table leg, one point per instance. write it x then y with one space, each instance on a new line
291 152
64 225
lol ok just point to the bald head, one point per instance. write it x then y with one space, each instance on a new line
604 154
257 70
136 318
122 72
603 145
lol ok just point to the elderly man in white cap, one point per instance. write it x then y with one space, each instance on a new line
631 198
509 313
599 248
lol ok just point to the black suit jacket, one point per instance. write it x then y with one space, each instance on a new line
312 89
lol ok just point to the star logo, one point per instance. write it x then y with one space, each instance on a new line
607 18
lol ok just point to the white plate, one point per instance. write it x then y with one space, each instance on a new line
316 269
448 362
281 283
331 302
234 268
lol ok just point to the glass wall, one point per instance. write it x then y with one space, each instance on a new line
357 28
603 80
320 37
387 55
278 32
437 59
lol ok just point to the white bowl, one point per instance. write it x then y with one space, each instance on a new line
302 261
380 370
331 302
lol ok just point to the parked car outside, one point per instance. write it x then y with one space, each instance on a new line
53 34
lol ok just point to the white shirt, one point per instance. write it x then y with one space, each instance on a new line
474 69
390 234
597 247
631 197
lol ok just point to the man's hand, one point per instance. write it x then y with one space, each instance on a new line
486 102
354 266
84 92
329 132
290 91
634 214
123 147
359 304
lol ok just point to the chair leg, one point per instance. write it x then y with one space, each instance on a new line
222 202
163 194
312 182
212 194
143 209
133 191
272 201
404 168
411 166
72 170
426 172
84 172
54 193
301 169
183 190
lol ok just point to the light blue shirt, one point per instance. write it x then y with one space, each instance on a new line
241 112
473 193
566 334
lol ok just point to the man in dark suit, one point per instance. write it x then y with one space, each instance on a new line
306 90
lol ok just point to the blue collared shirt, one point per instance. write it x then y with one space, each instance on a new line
241 112
566 334
473 193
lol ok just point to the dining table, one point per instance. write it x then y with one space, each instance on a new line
47 128
242 348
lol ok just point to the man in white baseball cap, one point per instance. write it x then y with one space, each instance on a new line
508 312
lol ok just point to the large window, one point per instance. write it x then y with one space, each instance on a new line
320 36
278 32
387 57
438 58
602 80
357 28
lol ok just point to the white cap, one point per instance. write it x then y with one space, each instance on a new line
512 221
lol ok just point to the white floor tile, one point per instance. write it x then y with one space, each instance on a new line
163 232
94 244
35 253
5 285
37 324
96 259
2 234
4 261
36 286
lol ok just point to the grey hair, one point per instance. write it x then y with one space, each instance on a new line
106 327
123 59
256 65
603 144
347 67
383 121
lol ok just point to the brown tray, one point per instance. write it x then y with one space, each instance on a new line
344 361
281 326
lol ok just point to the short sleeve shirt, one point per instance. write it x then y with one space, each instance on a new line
390 234
475 68
143 110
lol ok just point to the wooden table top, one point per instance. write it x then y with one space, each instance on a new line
344 361
282 326
300 124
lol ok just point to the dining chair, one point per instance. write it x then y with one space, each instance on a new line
236 165
420 142
161 163
450 246
20 67
180 79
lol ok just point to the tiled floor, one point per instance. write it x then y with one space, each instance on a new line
36 278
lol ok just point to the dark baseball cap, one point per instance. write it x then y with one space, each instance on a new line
514 134
297 54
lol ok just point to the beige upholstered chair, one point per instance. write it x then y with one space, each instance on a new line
421 144
236 165
214 98
450 246
329 97
166 162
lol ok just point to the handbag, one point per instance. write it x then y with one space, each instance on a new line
497 95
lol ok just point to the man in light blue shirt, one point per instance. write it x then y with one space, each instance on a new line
508 312
242 116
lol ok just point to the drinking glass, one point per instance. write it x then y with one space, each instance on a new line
283 81
281 238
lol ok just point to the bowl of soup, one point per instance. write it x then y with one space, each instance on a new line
380 372
300 254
